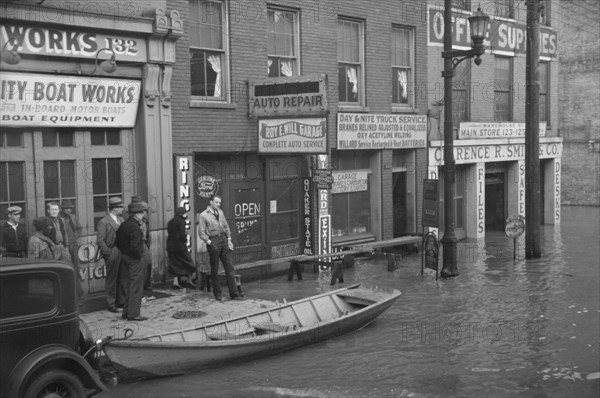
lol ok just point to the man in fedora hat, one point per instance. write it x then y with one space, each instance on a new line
130 241
13 237
106 236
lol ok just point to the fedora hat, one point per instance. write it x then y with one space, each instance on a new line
136 207
67 203
115 202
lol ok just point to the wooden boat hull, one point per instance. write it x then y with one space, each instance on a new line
257 335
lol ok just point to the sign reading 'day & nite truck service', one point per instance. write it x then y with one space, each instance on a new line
67 101
373 131
292 135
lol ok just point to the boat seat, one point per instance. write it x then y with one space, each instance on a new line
275 327
231 335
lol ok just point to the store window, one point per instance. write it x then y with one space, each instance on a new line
208 49
351 211
103 137
11 138
107 182
350 61
12 188
459 199
282 42
402 66
503 89
59 180
58 138
544 79
460 92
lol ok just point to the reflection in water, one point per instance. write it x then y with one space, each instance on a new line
503 328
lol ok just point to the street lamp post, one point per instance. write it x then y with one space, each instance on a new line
478 24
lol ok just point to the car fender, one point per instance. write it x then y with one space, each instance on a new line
49 357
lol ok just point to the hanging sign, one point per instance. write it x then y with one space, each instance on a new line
349 181
34 100
184 181
307 225
292 135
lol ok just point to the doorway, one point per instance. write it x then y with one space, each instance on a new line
399 204
495 193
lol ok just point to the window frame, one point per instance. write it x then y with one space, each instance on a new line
360 103
410 68
467 65
504 8
11 200
544 110
508 90
296 68
97 215
225 96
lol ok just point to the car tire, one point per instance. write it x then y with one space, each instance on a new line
56 383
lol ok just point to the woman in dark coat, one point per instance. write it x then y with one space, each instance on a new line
180 260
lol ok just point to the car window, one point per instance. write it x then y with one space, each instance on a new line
26 295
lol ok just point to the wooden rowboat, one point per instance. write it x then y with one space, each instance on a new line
291 325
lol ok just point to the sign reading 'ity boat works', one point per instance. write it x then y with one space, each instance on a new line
67 101
292 135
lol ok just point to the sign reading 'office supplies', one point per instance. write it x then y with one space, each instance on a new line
372 131
292 135
502 36
67 101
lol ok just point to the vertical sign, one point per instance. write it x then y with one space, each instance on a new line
557 190
184 180
307 239
430 203
325 235
480 175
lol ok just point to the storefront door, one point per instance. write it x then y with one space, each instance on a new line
494 201
399 204
245 204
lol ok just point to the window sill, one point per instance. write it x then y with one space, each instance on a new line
212 105
353 108
404 109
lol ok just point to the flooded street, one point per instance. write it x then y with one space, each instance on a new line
504 328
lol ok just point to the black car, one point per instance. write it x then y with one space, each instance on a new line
45 349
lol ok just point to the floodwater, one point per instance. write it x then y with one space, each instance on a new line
504 328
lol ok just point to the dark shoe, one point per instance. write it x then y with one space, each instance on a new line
238 298
138 319
120 306
112 309
187 284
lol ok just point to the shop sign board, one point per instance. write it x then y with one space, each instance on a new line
55 42
380 131
494 152
288 96
474 130
430 203
307 135
34 100
325 235
506 37
349 181
323 178
307 225
206 186
431 251
184 182
280 251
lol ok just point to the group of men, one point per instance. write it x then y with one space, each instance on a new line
125 248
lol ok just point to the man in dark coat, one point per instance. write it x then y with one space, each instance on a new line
107 227
58 233
13 237
180 260
130 241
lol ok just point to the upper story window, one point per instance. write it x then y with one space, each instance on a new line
402 66
208 49
460 92
282 42
505 8
545 12
462 4
503 89
544 96
11 138
58 138
102 137
350 61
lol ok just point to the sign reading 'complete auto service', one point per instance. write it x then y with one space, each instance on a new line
67 101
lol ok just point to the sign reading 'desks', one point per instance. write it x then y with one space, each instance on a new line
292 135
67 101
372 131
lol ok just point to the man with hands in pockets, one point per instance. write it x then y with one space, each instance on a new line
214 230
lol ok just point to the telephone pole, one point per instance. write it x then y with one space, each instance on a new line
532 133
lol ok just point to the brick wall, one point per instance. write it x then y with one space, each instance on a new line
579 82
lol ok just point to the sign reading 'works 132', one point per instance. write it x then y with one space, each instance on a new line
502 35
67 101
292 135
